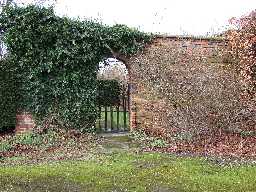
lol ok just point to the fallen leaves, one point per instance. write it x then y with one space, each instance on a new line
218 145
62 145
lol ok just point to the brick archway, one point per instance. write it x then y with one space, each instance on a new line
146 108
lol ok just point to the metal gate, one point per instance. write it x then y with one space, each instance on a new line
115 118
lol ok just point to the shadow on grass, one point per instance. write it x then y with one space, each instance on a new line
40 184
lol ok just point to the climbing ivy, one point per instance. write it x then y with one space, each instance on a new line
55 61
8 94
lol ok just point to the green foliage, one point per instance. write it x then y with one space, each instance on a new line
5 147
148 140
8 94
28 139
109 92
158 143
33 140
55 61
125 40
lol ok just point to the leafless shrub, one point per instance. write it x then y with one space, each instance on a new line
189 94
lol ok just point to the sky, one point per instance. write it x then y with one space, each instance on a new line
172 17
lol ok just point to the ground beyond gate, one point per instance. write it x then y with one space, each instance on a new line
115 118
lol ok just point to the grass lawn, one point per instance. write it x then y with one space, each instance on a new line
128 171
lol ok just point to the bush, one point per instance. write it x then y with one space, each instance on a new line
109 92
184 95
242 44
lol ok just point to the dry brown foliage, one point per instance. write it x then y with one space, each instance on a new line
185 89
242 44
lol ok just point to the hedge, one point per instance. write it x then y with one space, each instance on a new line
109 92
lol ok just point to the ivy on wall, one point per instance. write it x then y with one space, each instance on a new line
8 94
55 61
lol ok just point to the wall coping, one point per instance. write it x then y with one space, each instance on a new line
192 38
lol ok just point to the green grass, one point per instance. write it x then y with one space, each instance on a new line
129 172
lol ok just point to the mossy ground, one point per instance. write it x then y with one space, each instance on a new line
128 170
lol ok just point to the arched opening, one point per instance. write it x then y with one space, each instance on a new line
113 96
113 68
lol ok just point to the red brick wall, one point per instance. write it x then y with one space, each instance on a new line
24 123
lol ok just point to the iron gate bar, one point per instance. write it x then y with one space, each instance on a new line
100 118
124 106
106 118
111 117
117 117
